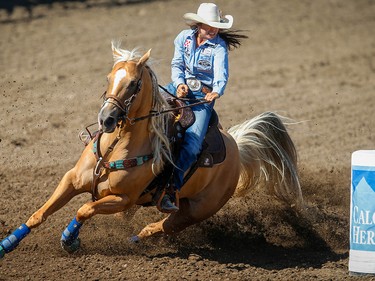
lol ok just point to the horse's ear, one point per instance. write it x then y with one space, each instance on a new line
144 58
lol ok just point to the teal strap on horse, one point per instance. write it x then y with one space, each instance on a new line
118 164
122 164
127 163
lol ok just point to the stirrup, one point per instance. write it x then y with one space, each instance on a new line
170 207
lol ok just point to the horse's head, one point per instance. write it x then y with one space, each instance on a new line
124 84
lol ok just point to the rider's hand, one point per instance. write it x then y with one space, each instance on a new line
182 90
211 96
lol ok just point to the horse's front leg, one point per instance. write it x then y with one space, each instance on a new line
110 204
69 186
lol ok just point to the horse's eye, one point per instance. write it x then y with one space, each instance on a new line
132 84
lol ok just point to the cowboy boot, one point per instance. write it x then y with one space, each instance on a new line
166 204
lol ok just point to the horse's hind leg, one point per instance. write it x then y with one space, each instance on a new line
176 222
149 230
198 208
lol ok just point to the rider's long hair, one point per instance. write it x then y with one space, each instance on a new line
232 38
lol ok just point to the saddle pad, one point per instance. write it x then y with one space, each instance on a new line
214 151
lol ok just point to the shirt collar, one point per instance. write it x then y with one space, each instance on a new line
212 42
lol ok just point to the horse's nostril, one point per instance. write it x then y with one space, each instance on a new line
108 122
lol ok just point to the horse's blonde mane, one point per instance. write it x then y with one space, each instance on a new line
120 55
160 142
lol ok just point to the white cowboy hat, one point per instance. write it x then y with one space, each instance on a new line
209 13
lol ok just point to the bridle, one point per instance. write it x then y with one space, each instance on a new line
125 105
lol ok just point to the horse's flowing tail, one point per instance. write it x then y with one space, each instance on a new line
268 157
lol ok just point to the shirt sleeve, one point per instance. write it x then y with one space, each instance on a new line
221 72
178 63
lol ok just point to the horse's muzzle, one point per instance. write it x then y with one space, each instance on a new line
108 119
108 125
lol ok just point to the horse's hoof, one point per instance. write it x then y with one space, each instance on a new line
71 247
134 239
2 252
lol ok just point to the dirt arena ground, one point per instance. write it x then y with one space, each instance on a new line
313 61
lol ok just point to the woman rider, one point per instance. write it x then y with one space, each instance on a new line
199 71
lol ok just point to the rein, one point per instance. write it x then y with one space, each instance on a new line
99 160
128 102
155 114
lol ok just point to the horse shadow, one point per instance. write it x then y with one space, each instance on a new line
254 250
227 243
241 249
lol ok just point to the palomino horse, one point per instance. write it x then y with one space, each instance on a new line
259 151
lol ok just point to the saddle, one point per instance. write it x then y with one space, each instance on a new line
213 151
213 147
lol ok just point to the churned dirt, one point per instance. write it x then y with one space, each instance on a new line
312 61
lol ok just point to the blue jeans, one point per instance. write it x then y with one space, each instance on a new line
194 135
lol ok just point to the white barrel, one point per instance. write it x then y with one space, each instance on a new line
362 213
